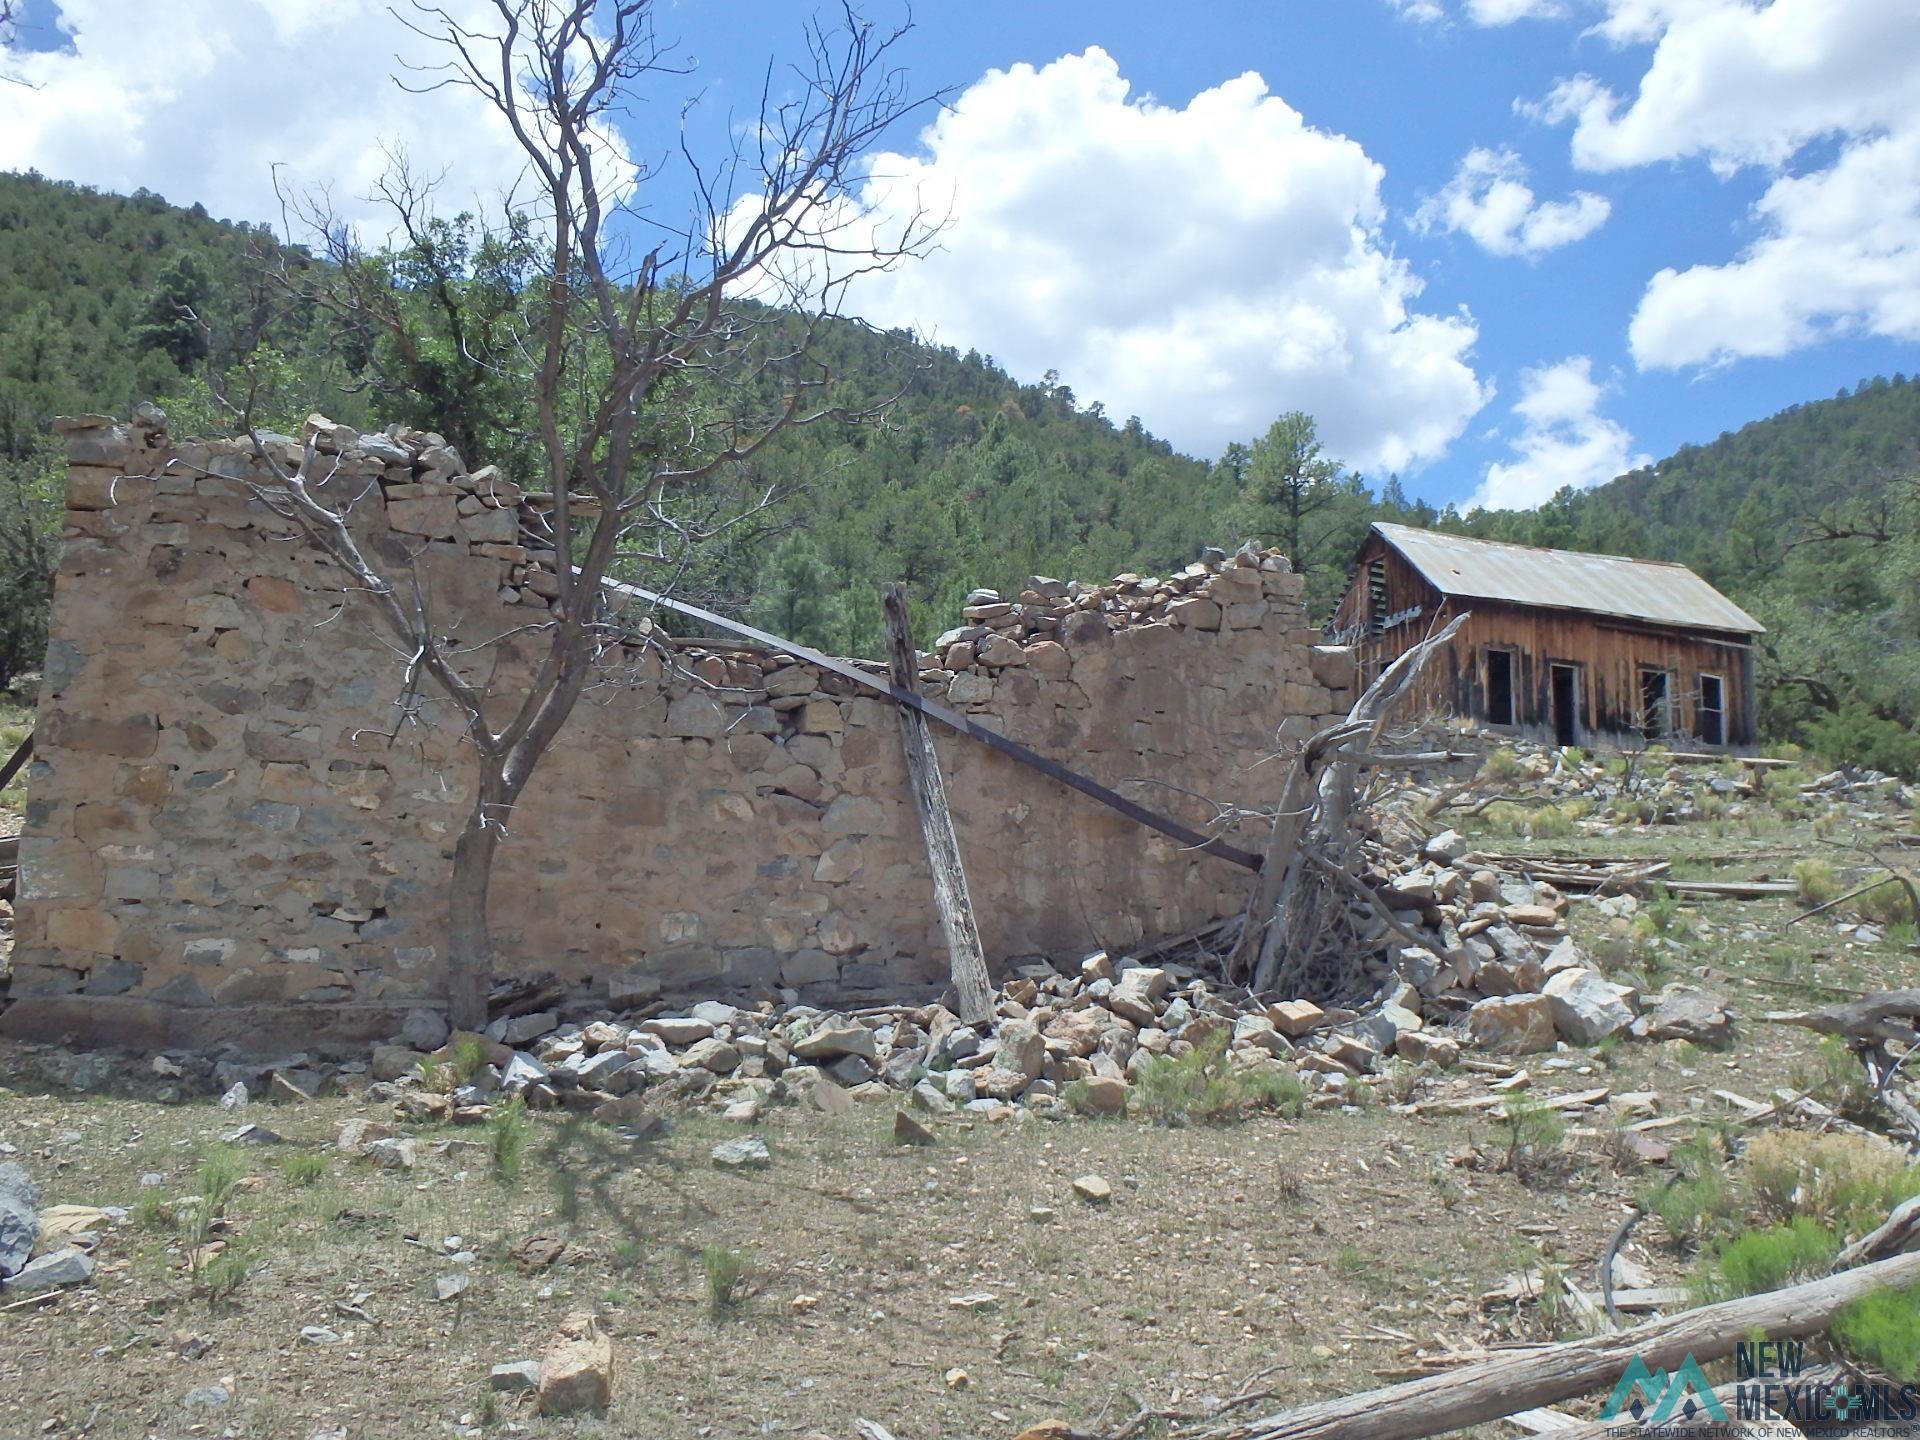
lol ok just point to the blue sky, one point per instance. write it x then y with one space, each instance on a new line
1496 245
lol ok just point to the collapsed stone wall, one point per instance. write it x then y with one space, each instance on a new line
235 808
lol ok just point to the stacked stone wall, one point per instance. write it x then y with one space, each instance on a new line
236 804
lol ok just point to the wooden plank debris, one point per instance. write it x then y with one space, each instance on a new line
1732 889
954 720
966 960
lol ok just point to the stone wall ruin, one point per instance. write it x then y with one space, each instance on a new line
232 823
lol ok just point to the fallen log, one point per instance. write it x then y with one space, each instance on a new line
1525 1380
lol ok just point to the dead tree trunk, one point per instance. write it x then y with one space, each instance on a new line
1524 1379
1294 901
966 960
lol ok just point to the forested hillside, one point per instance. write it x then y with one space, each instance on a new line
966 478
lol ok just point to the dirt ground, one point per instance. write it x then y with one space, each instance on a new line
1305 1257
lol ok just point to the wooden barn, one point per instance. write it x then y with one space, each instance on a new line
1564 647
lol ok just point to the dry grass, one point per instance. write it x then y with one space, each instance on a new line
1209 1264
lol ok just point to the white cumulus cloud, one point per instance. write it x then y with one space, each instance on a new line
1822 94
1205 267
1489 201
1564 440
1482 12
200 103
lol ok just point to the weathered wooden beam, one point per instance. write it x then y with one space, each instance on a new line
16 760
966 960
1525 1379
954 720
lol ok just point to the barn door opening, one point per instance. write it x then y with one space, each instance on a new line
1653 704
1499 687
1710 716
1566 704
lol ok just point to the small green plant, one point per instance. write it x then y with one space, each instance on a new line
1816 882
303 1169
1349 1262
507 1137
151 1211
1502 767
727 1272
1534 1134
1206 1085
1888 904
1762 1260
1836 1079
1882 1330
628 1252
222 1274
566 1194
1698 1198
468 1059
1663 917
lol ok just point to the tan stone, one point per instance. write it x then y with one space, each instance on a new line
576 1372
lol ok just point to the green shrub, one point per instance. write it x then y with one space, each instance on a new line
727 1272
1847 1183
1698 1198
1206 1085
1888 904
1534 1133
1816 882
1882 1330
303 1169
1767 1259
507 1137
1854 735
1836 1078
1502 767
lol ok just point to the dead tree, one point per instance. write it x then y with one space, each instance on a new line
1295 937
1870 1026
652 382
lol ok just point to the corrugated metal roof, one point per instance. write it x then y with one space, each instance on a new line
1651 590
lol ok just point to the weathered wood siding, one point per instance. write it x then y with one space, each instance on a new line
1608 656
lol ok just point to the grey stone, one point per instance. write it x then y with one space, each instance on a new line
236 1096
522 1028
1687 1014
206 1397
50 1272
749 1152
1586 1008
514 1376
19 1228
424 1029
522 1070
834 1038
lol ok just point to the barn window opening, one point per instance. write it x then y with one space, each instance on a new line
1377 597
1710 716
1499 687
1655 720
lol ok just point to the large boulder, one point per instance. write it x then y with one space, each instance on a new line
1683 1013
1513 1024
1586 1007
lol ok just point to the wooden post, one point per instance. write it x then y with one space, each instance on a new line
968 962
